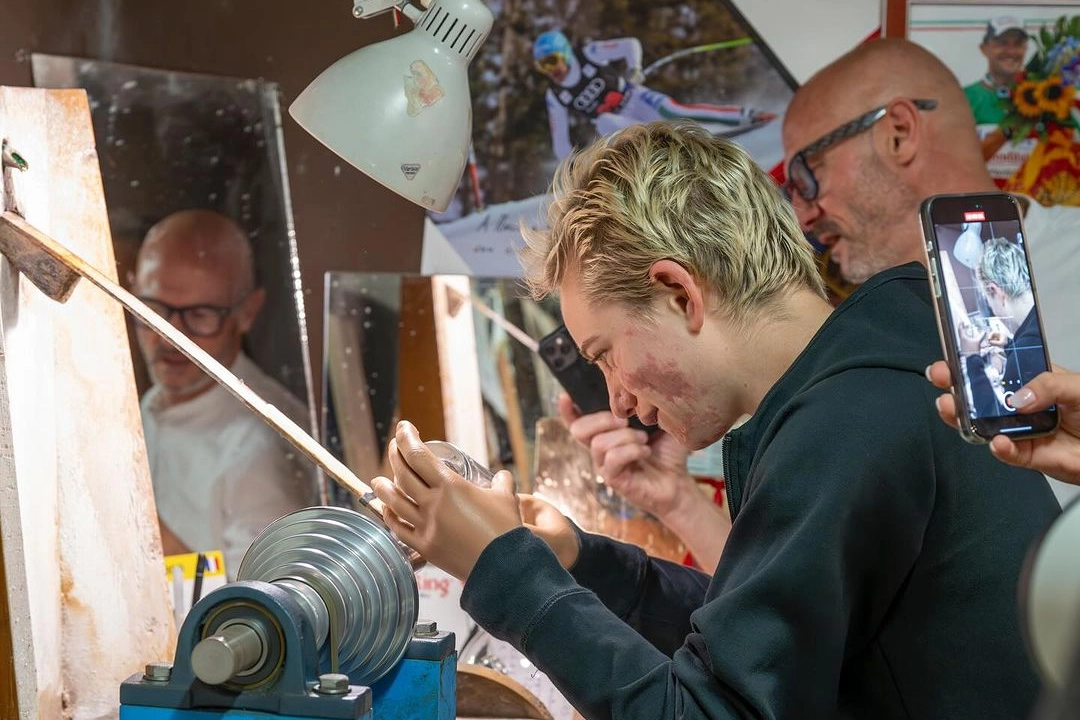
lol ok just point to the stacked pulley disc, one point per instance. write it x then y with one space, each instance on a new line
355 567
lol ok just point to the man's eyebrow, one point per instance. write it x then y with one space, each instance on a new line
584 348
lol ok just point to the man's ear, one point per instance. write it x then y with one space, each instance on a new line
902 125
249 309
680 291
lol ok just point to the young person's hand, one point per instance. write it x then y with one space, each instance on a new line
547 523
439 513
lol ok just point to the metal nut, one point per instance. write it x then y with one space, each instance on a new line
158 672
425 628
332 684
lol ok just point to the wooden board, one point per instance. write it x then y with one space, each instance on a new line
84 579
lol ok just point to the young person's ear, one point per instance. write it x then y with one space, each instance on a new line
681 291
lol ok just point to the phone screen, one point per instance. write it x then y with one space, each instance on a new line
987 303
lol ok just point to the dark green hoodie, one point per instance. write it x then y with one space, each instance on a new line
871 571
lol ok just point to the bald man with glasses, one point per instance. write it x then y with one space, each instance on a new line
220 473
880 129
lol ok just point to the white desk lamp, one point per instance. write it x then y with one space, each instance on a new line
399 110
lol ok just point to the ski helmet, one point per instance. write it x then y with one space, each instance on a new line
552 42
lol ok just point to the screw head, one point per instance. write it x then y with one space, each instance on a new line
158 672
425 627
332 684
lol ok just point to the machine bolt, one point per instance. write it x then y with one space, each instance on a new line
425 628
158 672
332 684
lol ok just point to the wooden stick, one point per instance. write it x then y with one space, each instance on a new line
25 241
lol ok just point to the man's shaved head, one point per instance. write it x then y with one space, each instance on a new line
876 72
201 239
870 182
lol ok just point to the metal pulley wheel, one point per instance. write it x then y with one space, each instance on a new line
352 575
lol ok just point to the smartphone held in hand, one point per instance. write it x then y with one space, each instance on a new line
583 381
987 311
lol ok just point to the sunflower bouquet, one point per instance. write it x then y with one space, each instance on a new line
1044 99
1044 106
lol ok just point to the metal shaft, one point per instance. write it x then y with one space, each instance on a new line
235 649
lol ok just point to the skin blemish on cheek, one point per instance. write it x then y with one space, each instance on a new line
661 378
680 400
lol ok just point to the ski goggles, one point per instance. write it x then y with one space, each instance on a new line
800 177
549 62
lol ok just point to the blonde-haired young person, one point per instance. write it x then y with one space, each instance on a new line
872 563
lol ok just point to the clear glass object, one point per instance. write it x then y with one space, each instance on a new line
461 463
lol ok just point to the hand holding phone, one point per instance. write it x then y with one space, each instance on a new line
583 381
987 311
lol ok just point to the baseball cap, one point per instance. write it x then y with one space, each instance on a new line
1002 24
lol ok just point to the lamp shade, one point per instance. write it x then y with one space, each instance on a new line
399 110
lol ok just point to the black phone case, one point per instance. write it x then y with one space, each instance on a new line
583 381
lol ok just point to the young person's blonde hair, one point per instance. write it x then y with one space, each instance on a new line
669 191
1003 264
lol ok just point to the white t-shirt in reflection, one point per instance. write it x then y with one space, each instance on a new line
220 473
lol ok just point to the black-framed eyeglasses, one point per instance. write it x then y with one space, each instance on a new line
202 320
801 179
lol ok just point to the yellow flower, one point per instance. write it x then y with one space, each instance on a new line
1026 98
1055 98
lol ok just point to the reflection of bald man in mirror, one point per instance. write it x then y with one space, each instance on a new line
220 473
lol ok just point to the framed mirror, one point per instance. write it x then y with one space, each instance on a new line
168 141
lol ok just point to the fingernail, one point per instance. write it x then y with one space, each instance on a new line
926 373
1023 396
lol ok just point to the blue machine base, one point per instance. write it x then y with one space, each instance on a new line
423 686
138 712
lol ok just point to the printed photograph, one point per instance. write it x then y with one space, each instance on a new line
1019 64
542 85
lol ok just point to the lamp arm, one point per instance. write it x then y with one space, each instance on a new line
365 9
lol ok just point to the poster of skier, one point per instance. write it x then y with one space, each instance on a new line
556 74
